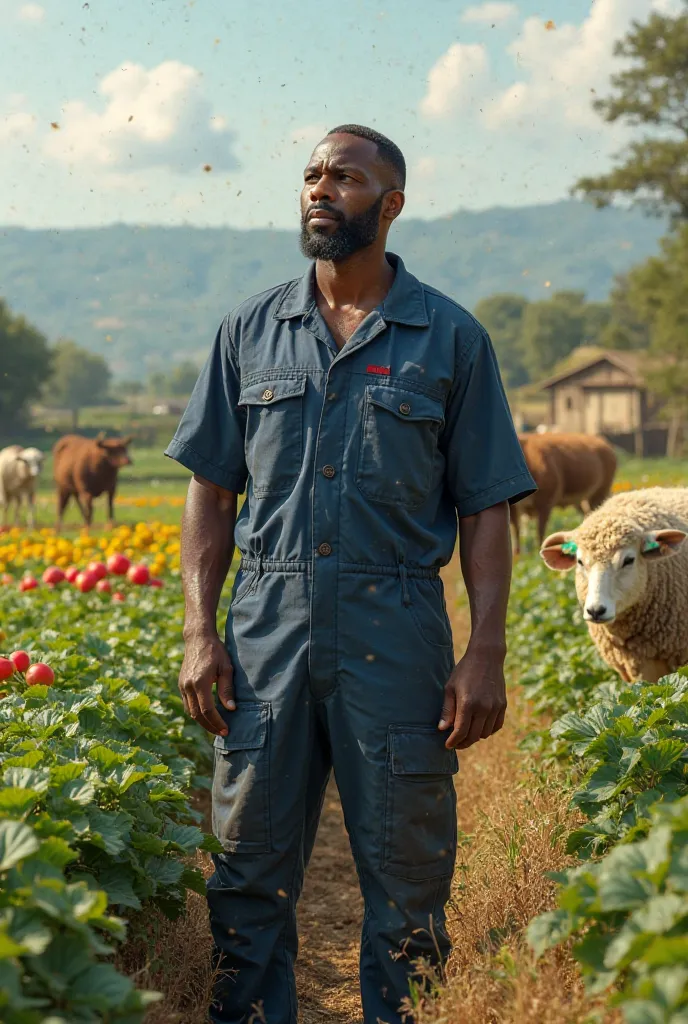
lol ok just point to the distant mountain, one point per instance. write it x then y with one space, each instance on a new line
146 296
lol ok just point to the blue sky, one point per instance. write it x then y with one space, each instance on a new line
111 109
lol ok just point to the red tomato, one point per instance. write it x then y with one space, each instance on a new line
6 668
20 660
40 674
118 596
72 573
53 575
85 581
155 583
103 586
28 583
118 564
98 569
138 574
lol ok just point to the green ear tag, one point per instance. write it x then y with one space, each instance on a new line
651 545
569 548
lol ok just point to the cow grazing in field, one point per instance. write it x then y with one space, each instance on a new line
19 472
569 469
85 468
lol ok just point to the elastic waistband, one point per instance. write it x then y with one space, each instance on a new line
351 568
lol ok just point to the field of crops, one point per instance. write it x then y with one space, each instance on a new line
102 783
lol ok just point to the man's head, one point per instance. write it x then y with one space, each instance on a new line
353 190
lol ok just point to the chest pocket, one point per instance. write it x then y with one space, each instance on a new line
398 445
274 433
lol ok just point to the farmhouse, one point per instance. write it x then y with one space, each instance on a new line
607 394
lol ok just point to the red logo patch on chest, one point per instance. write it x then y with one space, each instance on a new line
378 369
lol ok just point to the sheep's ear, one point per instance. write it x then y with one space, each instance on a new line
559 551
662 543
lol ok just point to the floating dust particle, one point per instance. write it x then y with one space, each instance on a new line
370 657
548 284
55 126
282 893
550 26
207 168
130 118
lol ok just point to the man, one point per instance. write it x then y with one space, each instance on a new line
362 411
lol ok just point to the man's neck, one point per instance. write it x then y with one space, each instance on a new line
362 280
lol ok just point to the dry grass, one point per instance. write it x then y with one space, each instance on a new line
173 957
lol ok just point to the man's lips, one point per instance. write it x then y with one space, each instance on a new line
322 215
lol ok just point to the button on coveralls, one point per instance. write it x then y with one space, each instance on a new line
356 464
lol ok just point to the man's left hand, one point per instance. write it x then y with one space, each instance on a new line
474 699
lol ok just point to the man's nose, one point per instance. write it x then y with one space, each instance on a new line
597 612
322 189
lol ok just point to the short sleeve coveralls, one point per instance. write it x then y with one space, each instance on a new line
356 463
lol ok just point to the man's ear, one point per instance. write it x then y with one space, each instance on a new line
661 543
559 551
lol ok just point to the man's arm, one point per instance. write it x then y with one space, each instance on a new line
207 546
475 695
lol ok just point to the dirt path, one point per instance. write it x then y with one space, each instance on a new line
331 909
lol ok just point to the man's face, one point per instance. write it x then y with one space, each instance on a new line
343 198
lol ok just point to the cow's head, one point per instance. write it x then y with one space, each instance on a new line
610 580
115 449
33 459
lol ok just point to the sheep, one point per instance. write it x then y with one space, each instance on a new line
19 471
569 469
632 579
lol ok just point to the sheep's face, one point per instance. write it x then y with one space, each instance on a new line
32 459
609 583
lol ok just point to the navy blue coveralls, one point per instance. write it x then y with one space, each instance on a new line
356 464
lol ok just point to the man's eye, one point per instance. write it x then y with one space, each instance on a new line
628 560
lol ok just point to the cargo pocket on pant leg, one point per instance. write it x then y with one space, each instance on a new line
241 781
420 804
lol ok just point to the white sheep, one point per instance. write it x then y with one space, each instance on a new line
632 579
19 472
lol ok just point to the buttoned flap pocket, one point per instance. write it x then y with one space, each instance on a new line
420 804
398 451
274 432
241 780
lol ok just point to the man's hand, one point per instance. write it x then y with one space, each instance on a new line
206 662
474 699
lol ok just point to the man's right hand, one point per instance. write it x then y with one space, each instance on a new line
206 662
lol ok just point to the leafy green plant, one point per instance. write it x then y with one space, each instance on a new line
95 819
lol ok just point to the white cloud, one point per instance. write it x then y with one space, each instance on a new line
455 79
494 12
672 8
156 118
560 71
425 167
308 135
32 13
16 126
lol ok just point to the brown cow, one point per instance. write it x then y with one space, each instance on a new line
569 469
86 468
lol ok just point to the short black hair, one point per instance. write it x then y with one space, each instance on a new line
389 152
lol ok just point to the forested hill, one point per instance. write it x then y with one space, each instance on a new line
145 296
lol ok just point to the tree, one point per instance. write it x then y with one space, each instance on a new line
24 366
653 91
551 330
659 293
79 378
625 329
502 317
181 379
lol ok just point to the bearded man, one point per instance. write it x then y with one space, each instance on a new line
363 414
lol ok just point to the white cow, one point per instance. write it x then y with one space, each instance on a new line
19 471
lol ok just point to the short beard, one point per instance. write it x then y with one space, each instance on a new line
349 237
